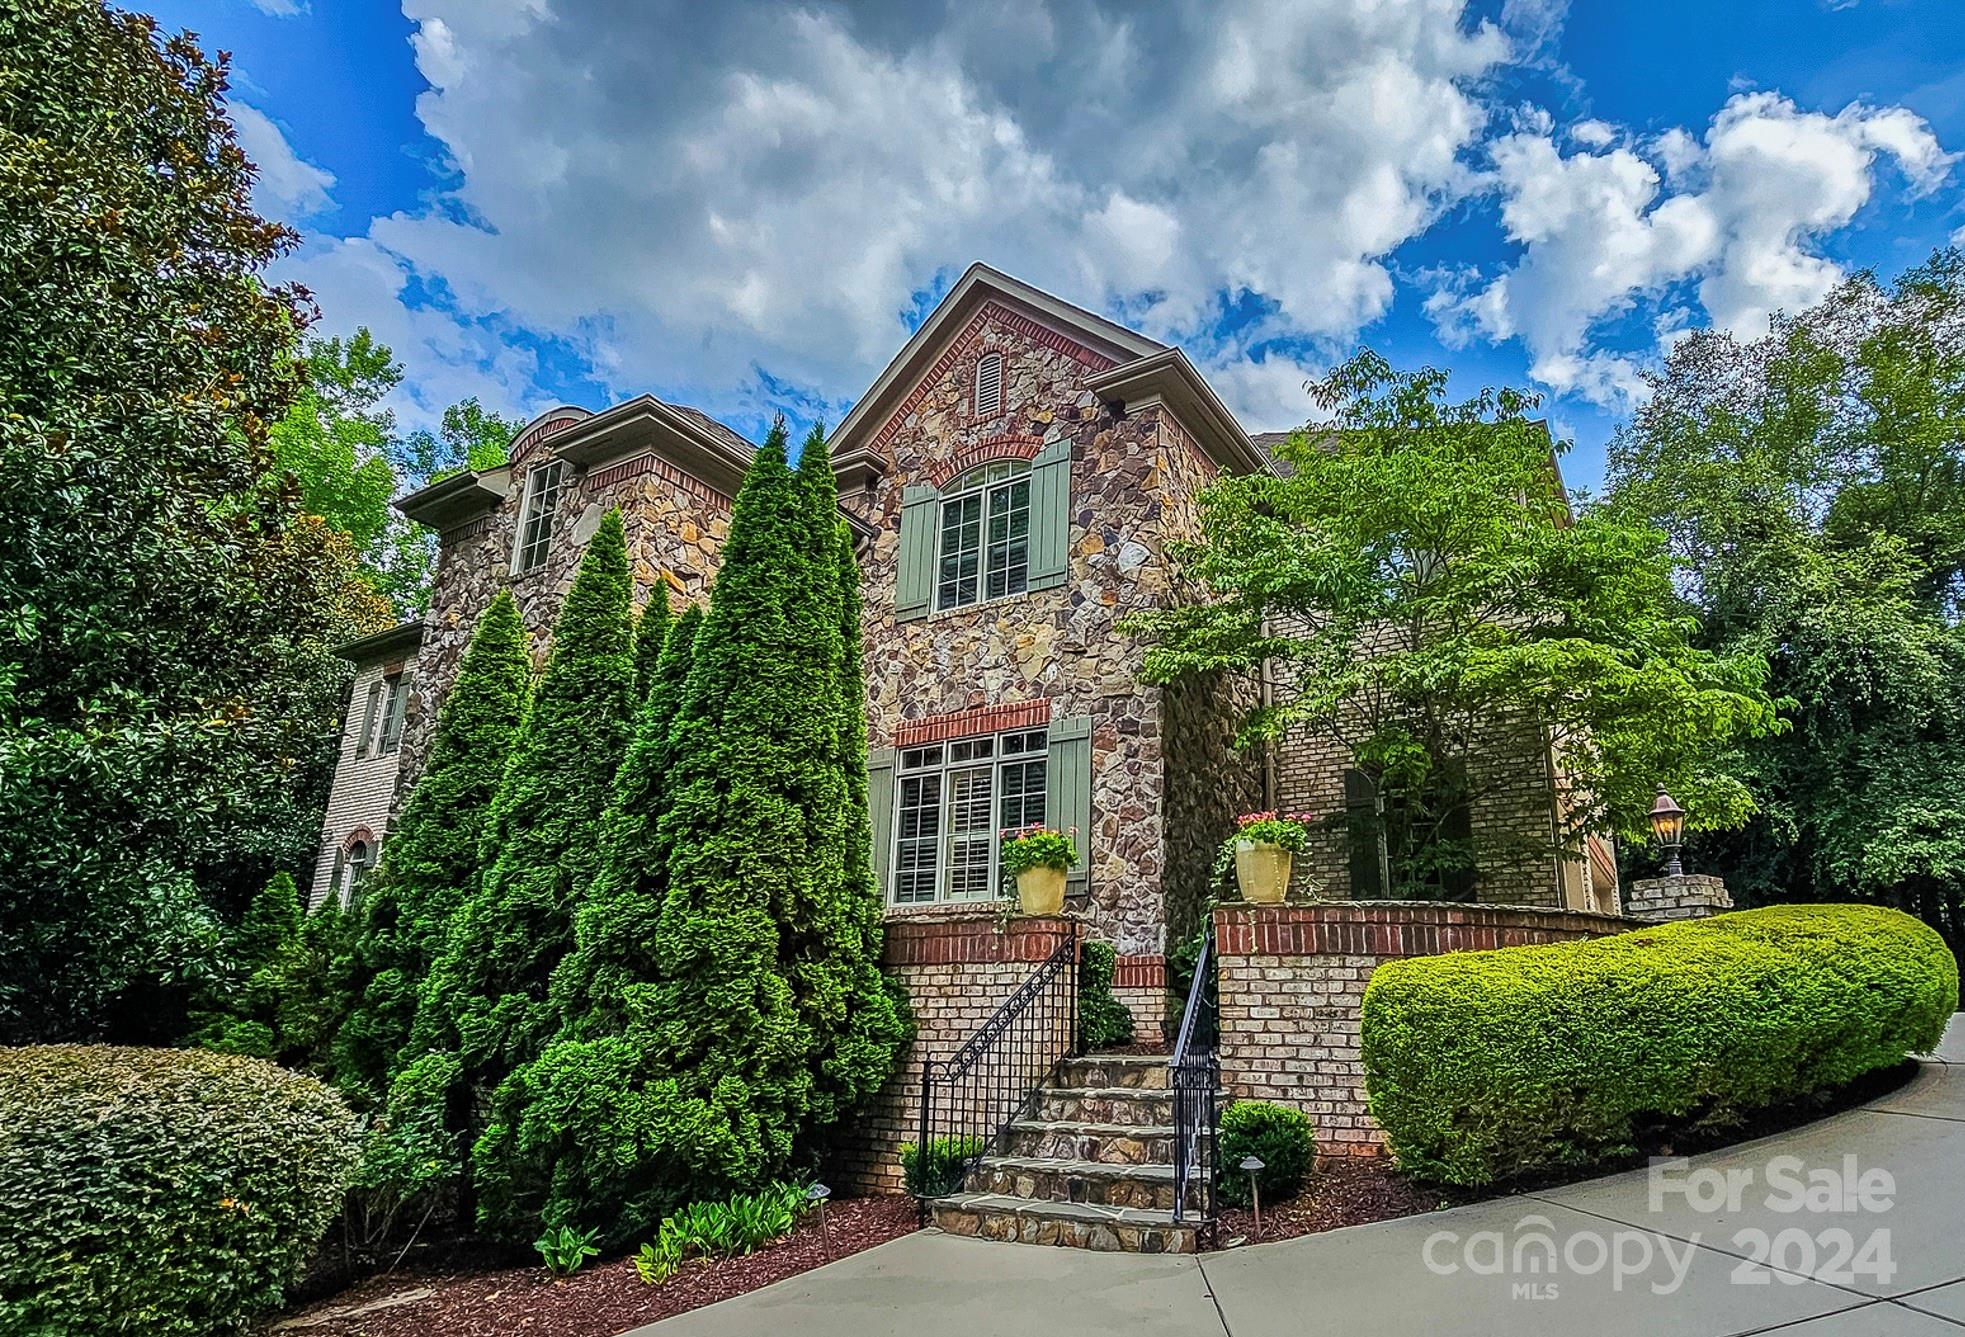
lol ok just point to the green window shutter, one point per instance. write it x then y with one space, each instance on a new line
880 807
1068 785
914 579
1050 514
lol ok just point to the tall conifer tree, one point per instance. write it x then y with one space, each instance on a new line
430 864
651 636
486 1000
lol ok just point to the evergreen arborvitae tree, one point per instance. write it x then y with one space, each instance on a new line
651 635
430 865
832 940
486 1002
614 935
240 1012
564 1138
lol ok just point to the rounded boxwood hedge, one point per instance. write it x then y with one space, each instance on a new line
160 1191
1279 1136
1490 1066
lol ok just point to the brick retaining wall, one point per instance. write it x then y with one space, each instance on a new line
1292 978
957 970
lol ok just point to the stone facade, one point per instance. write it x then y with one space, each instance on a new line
675 525
1687 896
1291 979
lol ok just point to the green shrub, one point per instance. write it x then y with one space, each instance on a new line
1486 1066
941 1171
162 1191
565 1250
1103 1020
1277 1135
743 1224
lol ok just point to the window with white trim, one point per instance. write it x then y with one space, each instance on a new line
989 385
542 489
984 550
950 801
360 859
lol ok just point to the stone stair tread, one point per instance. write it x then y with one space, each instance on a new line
1109 1092
1154 1170
1134 1130
1063 1211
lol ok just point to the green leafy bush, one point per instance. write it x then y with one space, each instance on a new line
167 1191
1277 1135
565 1250
940 1171
743 1224
1103 1020
1486 1066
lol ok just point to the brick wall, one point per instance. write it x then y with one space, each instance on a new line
1140 982
1292 977
957 969
364 787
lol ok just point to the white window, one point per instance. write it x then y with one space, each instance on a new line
360 858
542 489
395 701
950 801
989 385
985 535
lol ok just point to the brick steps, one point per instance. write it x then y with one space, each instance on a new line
1072 1225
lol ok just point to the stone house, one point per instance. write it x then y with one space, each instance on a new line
1015 476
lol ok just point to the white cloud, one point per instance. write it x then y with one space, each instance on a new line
288 188
1600 231
282 9
770 187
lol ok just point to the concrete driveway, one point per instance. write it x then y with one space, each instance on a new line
1851 1227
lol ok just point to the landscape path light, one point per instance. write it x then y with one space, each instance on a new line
1252 1164
819 1193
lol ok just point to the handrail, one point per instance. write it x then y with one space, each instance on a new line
1194 1073
969 1099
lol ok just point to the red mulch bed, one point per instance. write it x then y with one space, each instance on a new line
603 1299
1346 1193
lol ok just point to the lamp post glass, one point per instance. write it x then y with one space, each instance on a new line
1668 827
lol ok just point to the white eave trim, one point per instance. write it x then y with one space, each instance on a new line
1167 377
944 322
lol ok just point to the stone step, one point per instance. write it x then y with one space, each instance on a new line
1104 1104
1076 1225
1145 1071
1095 1182
1079 1140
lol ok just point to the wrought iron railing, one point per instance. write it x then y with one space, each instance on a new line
969 1100
1195 1075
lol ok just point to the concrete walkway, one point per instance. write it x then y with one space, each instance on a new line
1885 1258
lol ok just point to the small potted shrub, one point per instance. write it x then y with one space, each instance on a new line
1263 847
1039 858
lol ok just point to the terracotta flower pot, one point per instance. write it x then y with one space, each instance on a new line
1040 891
1262 871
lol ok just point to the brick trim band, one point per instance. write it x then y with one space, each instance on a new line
661 468
540 432
1010 447
470 529
975 720
971 940
1391 929
1139 972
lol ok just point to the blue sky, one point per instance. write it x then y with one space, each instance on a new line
745 206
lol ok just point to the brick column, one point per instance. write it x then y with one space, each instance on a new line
1291 979
1687 896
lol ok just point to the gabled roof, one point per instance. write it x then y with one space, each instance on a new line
390 643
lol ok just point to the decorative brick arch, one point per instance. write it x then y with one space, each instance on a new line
548 424
1011 446
968 345
360 833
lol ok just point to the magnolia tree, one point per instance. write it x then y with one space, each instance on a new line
1418 589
